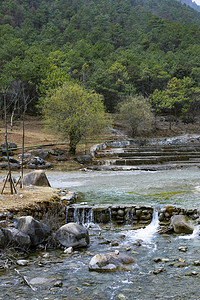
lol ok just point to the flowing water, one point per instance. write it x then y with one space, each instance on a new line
178 187
161 270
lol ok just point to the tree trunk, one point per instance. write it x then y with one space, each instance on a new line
170 120
155 121
6 142
75 138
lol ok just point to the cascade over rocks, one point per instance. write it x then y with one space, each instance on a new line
181 224
37 231
109 262
37 177
72 235
16 238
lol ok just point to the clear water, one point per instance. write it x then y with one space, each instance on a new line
178 187
176 276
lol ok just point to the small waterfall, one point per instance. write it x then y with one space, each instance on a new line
145 234
85 217
90 219
82 221
110 216
128 218
76 215
90 216
66 214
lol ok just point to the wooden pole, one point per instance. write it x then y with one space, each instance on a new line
9 176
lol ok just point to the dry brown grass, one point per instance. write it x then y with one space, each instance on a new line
25 197
34 133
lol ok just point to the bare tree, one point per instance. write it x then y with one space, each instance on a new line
9 175
15 100
25 105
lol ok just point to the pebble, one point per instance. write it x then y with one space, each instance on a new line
158 270
121 297
183 249
157 259
114 243
138 243
22 262
58 283
193 273
165 259
127 248
86 284
45 255
69 250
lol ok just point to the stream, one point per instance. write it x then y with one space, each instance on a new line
161 270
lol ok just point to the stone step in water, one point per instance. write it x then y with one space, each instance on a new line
150 160
141 152
164 149
159 153
146 152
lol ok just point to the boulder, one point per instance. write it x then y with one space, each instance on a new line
36 161
37 177
14 166
16 238
109 262
84 159
181 224
11 159
44 154
37 231
72 235
10 145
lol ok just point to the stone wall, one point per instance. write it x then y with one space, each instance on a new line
59 211
136 215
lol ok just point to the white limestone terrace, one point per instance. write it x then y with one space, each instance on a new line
164 153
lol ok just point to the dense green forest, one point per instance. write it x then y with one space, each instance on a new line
191 3
115 47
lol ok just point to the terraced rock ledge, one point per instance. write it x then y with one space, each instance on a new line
147 154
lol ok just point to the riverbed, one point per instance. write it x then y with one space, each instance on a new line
161 271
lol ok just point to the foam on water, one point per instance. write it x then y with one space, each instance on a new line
145 234
194 235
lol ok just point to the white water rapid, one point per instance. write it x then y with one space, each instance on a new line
194 235
145 234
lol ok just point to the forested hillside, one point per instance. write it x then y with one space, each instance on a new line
115 47
191 3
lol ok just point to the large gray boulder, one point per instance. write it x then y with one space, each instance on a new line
109 262
16 238
37 178
72 235
181 224
36 230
